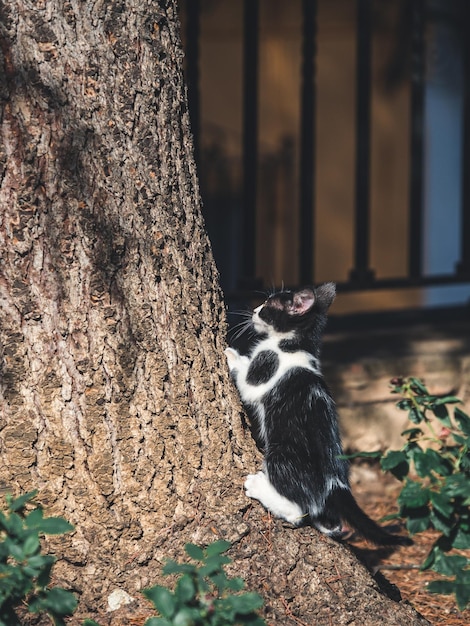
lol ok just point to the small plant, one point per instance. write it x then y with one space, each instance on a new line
439 497
25 573
202 595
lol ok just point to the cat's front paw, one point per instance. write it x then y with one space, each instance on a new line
232 356
255 485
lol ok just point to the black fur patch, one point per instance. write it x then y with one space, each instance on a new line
262 368
289 345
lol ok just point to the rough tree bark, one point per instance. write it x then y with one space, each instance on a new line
116 402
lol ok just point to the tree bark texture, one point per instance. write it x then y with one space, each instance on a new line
116 401
112 321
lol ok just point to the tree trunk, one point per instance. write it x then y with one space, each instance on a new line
116 401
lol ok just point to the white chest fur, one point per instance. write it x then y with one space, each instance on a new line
253 393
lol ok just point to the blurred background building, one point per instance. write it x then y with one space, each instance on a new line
333 144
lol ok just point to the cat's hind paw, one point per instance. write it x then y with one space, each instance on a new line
259 487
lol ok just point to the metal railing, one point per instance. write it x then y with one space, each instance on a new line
361 276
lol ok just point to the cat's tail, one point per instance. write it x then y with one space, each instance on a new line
342 502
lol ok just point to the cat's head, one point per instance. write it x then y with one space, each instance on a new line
287 311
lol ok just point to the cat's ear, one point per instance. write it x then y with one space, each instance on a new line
325 295
302 302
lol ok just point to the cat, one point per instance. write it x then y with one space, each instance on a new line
304 479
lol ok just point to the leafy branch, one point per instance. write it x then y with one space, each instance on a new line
203 593
25 573
436 452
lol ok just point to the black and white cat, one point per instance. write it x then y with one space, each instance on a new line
294 419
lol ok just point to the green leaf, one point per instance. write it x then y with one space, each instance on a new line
442 414
218 547
54 526
462 595
441 522
213 564
464 464
415 415
404 405
184 617
235 584
14 550
195 552
412 433
220 580
460 587
461 441
14 526
442 587
417 523
19 503
441 503
41 560
447 400
247 603
457 486
44 576
396 462
157 621
185 589
429 560
413 495
418 386
162 599
56 601
31 545
463 420
449 564
430 462
240 608
462 540
34 518
362 455
90 622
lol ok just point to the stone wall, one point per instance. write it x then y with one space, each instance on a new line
359 364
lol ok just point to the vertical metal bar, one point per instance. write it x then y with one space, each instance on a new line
307 144
463 268
193 12
250 136
361 272
415 241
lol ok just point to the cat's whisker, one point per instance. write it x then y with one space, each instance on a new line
239 329
265 293
242 313
241 332
235 330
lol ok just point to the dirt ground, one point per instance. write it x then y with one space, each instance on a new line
377 494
